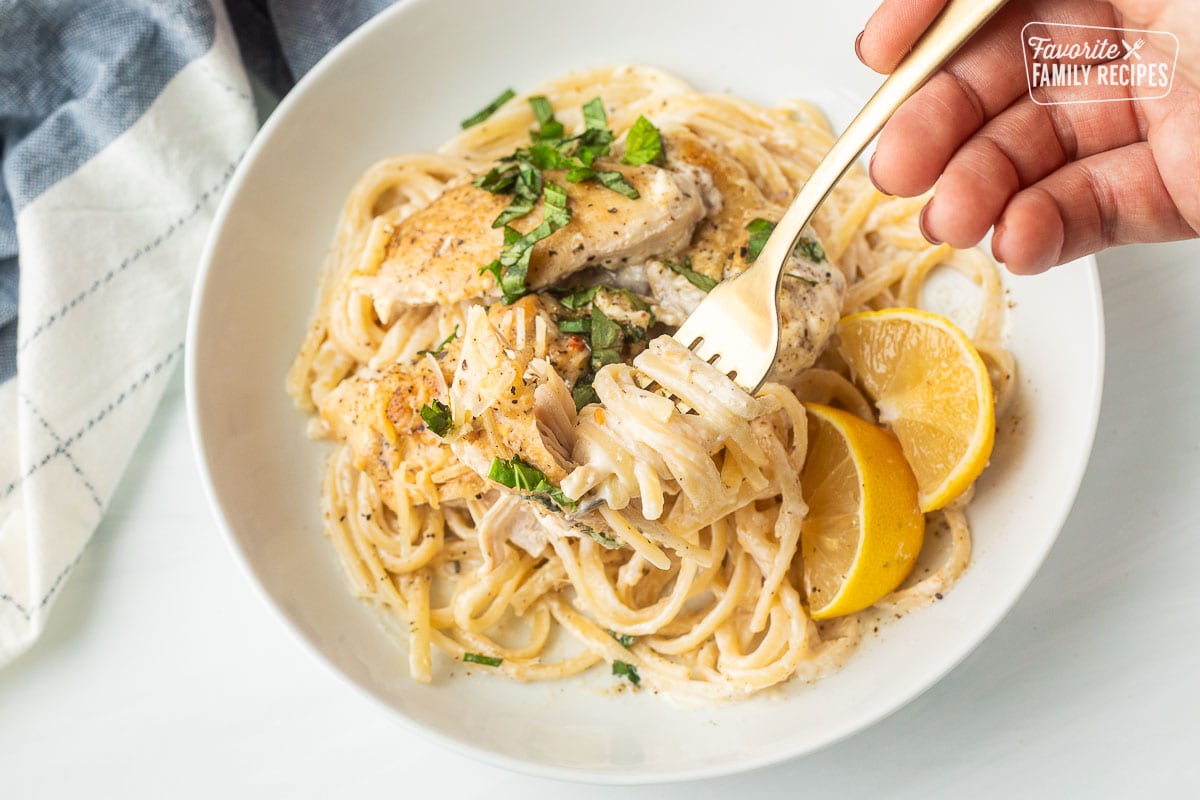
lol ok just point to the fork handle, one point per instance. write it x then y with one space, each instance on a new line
958 21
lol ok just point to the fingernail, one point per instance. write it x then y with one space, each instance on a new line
858 46
871 175
997 237
925 230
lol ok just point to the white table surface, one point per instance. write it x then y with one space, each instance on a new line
163 674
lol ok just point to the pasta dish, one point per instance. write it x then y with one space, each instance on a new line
530 475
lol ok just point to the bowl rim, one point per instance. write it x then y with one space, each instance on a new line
278 120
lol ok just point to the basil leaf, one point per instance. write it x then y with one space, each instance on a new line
512 268
594 118
809 281
544 156
584 394
491 108
437 417
578 298
580 174
498 180
627 670
643 143
760 230
524 477
487 661
514 261
556 212
810 249
441 346
623 639
591 145
607 542
527 189
697 279
581 325
607 340
549 128
616 181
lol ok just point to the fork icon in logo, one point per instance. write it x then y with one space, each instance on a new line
1132 50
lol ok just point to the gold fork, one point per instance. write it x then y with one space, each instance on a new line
736 327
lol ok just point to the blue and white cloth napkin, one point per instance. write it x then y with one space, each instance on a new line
121 124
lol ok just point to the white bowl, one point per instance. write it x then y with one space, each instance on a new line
401 84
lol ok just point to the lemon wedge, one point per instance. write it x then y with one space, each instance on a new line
864 527
932 390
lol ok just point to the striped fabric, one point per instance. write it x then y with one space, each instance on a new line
121 124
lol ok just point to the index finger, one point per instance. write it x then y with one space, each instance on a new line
978 83
893 30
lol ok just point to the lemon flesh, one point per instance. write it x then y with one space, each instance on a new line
931 388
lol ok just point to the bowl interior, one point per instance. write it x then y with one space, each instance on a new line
401 84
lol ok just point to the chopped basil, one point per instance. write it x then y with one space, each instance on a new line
549 128
580 297
607 339
580 174
437 417
510 277
627 670
524 477
607 542
544 156
526 189
623 639
760 230
520 175
594 118
697 279
487 661
616 181
643 144
511 269
580 325
491 108
441 346
809 281
810 249
596 137
584 394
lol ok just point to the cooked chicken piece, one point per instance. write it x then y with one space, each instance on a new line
509 518
434 255
717 246
378 412
810 304
674 296
811 294
625 308
495 392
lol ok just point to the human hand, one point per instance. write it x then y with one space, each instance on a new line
1057 182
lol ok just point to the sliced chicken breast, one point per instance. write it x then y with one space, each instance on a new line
434 255
378 412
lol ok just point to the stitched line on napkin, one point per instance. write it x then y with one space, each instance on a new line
27 612
130 260
87 484
91 423
220 83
